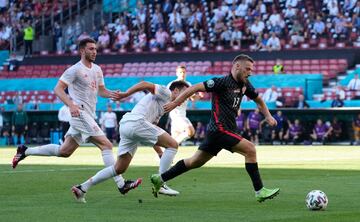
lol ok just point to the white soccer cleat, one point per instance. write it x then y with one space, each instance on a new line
166 190
78 194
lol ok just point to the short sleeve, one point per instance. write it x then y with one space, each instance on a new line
100 77
162 92
214 84
251 92
68 76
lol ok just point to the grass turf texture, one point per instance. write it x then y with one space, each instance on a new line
39 189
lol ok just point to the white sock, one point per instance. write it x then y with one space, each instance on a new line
182 137
99 177
166 159
46 150
108 159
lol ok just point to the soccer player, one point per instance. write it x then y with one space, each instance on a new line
253 125
226 97
139 126
321 132
294 132
181 127
84 81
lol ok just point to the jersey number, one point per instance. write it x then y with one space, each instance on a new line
236 102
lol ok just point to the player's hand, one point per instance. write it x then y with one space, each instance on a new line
169 106
271 121
117 95
74 110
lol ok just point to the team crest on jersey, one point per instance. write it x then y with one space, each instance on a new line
210 83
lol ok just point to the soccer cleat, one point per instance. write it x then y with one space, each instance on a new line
265 194
20 155
129 185
79 194
166 190
157 183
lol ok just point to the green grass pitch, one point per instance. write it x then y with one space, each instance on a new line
39 189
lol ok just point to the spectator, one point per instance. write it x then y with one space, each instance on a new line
253 125
337 102
270 95
242 9
356 128
257 28
140 40
273 44
319 26
236 37
17 99
179 38
301 103
333 8
278 132
174 20
321 132
290 12
161 38
294 133
109 123
19 124
199 133
57 38
354 83
64 117
82 36
278 68
94 34
197 38
122 39
14 63
340 91
157 19
167 7
28 39
225 36
296 38
104 40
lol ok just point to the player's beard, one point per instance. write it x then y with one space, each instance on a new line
89 58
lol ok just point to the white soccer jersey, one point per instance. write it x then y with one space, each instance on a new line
83 84
150 107
179 110
109 119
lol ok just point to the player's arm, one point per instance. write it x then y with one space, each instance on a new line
184 95
60 92
265 111
135 88
104 92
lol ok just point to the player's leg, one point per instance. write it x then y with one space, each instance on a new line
104 144
248 150
197 160
65 150
171 146
158 150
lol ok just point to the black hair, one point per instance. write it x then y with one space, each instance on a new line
178 85
242 57
85 41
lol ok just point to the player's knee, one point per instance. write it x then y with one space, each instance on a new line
251 150
173 144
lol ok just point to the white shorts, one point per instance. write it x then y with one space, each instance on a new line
179 124
132 133
83 127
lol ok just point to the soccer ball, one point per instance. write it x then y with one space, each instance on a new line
316 200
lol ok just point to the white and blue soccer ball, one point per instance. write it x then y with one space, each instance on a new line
316 200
